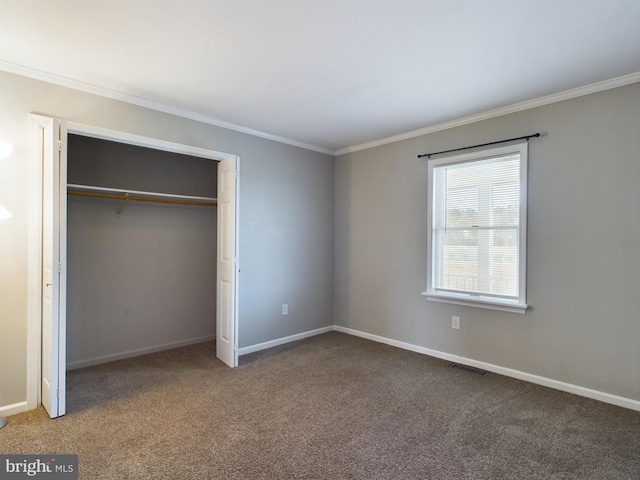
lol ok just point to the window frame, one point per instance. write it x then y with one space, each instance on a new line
517 305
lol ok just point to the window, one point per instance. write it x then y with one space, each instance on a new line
476 243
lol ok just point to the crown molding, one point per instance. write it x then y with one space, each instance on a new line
518 107
181 112
151 104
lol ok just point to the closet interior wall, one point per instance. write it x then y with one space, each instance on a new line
141 276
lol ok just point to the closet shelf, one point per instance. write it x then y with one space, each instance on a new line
138 195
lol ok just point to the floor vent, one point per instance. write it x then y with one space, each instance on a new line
477 371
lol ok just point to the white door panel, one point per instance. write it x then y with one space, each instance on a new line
226 323
53 353
62 286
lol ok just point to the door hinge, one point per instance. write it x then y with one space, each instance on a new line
59 267
59 145
58 393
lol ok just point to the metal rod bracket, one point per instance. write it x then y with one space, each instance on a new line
122 204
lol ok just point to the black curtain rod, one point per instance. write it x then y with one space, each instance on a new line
527 137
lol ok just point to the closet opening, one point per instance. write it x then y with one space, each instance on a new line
141 250
133 249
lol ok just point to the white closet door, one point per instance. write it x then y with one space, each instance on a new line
226 322
53 345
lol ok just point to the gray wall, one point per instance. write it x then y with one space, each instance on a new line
139 281
92 161
583 246
286 209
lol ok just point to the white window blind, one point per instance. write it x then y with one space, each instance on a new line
477 237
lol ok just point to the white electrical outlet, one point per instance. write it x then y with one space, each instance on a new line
455 322
285 309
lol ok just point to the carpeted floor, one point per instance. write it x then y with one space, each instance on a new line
329 407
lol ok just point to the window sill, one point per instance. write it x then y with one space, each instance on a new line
490 303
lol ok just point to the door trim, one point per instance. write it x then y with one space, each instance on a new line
34 246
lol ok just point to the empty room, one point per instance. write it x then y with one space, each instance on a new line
319 239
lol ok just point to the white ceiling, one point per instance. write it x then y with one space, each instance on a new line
328 73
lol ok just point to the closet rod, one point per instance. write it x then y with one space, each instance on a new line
126 196
121 191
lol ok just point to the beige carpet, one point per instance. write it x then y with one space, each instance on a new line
329 407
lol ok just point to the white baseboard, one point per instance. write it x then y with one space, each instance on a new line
137 352
13 409
527 377
281 341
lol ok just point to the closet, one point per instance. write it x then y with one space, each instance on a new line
141 250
